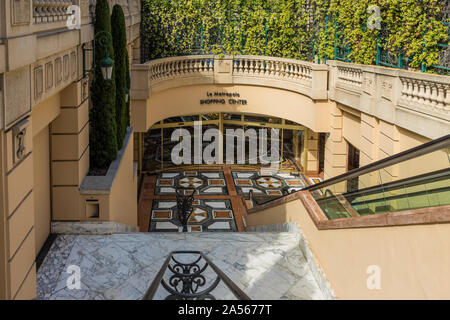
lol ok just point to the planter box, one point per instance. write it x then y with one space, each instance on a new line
112 197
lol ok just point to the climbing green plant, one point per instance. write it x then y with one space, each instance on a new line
300 29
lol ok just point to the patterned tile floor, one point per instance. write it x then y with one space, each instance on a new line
208 215
122 266
219 197
266 185
205 182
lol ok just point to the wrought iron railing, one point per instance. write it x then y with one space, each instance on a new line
189 280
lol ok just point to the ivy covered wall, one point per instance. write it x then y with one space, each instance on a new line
410 30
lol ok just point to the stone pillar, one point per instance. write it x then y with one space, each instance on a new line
296 147
70 151
369 148
335 147
136 51
388 146
313 152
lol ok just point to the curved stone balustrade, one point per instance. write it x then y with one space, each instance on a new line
50 10
416 101
179 67
277 68
303 77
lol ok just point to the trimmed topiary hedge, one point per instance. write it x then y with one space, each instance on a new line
127 63
103 136
120 58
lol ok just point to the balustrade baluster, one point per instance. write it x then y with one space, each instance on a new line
447 99
441 98
421 93
433 97
427 96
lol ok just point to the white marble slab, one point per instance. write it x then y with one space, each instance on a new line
216 204
122 266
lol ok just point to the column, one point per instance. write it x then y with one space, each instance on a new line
313 152
369 148
70 152
335 147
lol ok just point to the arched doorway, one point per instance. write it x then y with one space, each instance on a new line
222 188
246 131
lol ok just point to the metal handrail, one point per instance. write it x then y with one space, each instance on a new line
437 144
189 275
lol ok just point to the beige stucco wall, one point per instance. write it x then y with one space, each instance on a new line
3 258
413 260
41 187
119 202
123 197
261 100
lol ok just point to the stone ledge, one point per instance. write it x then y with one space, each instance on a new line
313 263
103 184
91 228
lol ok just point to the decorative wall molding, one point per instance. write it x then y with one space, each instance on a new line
73 63
20 13
48 75
58 70
19 145
66 66
38 82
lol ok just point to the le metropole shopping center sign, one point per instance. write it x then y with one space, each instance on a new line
231 98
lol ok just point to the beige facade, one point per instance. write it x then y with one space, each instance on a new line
44 142
412 260
44 131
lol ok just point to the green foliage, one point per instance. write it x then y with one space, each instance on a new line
103 142
300 29
120 67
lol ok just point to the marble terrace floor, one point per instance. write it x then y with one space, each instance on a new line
122 266
218 204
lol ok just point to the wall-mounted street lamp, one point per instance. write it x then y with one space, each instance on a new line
127 94
102 39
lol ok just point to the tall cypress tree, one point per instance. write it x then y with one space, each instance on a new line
120 45
103 141
127 60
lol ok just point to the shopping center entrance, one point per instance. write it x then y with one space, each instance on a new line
222 188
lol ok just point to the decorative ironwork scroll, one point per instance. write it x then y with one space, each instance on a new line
187 281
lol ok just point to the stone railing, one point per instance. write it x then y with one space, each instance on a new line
45 11
349 76
416 101
294 75
180 67
424 94
277 68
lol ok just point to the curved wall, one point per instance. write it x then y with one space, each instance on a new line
259 100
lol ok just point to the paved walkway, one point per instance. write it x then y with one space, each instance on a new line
122 266
219 198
